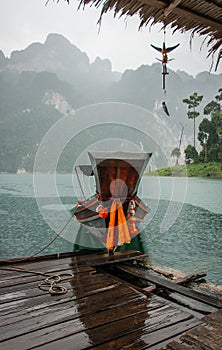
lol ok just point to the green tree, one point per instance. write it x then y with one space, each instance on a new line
214 109
191 154
219 96
217 120
193 102
176 153
209 140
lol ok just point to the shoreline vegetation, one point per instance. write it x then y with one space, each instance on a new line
209 170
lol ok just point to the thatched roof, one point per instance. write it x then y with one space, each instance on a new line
198 16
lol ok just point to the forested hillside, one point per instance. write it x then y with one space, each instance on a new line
44 82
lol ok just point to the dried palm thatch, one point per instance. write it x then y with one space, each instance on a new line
202 16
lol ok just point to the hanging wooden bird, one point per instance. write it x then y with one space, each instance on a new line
164 51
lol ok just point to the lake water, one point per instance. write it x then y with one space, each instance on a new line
183 229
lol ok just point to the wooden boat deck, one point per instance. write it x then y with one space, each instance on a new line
99 310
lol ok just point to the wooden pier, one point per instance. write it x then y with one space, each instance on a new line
99 307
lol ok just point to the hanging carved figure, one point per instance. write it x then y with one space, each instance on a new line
165 108
164 51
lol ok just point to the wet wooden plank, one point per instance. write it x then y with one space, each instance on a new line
23 284
46 258
163 282
26 291
79 290
201 337
205 336
18 279
129 333
100 327
27 277
79 262
9 272
99 311
78 259
39 263
70 321
44 298
80 286
105 259
70 311
153 339
214 319
191 303
33 264
104 299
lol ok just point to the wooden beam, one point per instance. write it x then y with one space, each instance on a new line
190 278
171 7
185 12
168 284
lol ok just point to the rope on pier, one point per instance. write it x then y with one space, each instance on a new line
51 282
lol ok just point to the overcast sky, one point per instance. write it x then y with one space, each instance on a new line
23 22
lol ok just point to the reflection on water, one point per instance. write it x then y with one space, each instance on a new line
193 243
98 297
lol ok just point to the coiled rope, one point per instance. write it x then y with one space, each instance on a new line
50 283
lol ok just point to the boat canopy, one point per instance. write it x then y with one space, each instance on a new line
118 173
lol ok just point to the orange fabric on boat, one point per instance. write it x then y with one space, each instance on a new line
118 232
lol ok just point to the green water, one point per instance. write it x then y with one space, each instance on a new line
191 243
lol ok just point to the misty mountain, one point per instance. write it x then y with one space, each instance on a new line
40 84
58 55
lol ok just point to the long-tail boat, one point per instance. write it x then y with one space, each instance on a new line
113 213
